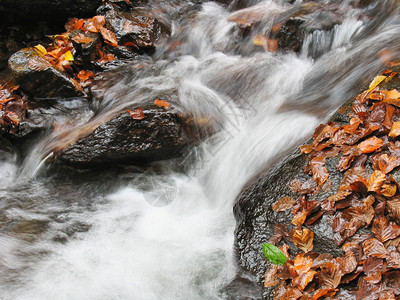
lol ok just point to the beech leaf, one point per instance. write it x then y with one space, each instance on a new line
274 254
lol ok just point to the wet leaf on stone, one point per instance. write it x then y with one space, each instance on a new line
162 103
376 180
274 254
374 248
283 204
137 114
370 145
303 238
320 173
385 230
270 277
82 39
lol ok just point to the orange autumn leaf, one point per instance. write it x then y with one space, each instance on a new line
270 45
137 114
303 239
395 130
388 190
162 103
84 75
370 145
74 24
385 230
324 293
393 97
320 173
283 204
302 263
82 39
376 181
394 63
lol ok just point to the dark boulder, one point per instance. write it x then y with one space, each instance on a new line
134 27
38 78
160 135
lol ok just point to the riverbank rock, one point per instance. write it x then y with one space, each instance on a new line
38 78
257 222
133 27
160 134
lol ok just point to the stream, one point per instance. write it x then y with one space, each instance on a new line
168 232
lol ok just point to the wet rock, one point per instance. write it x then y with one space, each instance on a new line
38 78
44 115
255 217
289 27
135 27
160 135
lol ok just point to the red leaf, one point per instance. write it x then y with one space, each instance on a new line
137 114
320 173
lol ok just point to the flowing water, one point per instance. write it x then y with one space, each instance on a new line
168 232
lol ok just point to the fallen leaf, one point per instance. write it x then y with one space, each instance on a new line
385 230
40 49
302 263
137 114
270 277
394 63
370 145
376 81
320 173
162 103
393 207
303 239
82 39
376 180
374 248
283 204
109 36
324 293
68 56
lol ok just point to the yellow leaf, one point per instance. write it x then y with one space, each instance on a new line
377 80
40 49
69 56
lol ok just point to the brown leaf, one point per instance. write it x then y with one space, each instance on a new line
320 173
324 293
370 145
393 207
393 260
109 36
162 103
330 275
329 202
304 279
385 230
303 239
388 190
306 149
270 277
290 294
38 64
374 248
395 130
306 187
82 39
283 204
373 268
376 180
347 158
137 114
74 24
347 263
302 263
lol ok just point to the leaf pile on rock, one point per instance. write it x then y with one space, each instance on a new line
13 104
364 211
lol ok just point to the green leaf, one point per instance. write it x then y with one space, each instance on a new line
274 254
